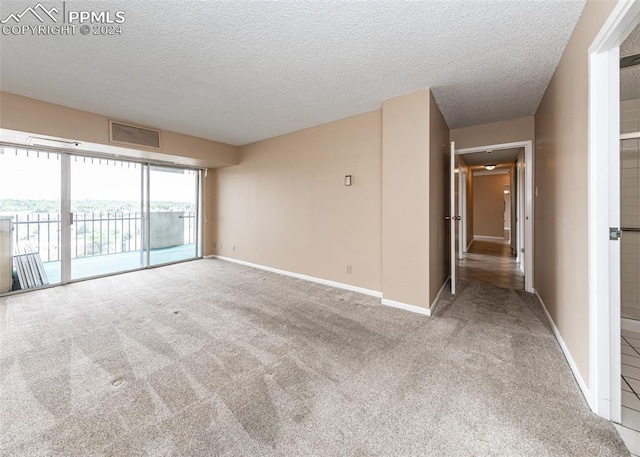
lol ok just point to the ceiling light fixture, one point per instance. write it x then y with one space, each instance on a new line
490 166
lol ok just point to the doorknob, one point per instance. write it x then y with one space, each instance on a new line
447 218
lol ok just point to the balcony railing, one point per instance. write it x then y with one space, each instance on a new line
97 233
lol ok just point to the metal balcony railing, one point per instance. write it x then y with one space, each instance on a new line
95 233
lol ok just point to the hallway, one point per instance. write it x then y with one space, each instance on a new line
490 262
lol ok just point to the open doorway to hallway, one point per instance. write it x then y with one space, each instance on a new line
630 228
614 333
492 211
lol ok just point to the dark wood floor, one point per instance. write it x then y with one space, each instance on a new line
491 263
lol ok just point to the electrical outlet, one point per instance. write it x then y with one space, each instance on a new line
234 248
349 269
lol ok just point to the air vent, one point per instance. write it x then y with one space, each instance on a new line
131 134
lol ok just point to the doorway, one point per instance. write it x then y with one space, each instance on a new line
630 229
67 216
496 217
607 243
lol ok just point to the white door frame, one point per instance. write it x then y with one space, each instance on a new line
453 216
463 213
520 206
528 222
604 394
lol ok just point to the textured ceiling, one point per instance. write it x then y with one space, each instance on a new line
238 72
502 156
631 45
630 76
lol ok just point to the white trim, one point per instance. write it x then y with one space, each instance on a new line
499 239
418 309
326 282
432 308
464 215
469 245
529 203
453 222
406 306
565 351
604 210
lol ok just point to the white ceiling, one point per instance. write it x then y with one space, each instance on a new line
238 72
502 156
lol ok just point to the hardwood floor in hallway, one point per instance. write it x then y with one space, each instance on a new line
491 263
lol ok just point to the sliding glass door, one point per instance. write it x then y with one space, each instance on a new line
173 203
65 217
30 218
108 220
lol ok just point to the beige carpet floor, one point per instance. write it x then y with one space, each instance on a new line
212 358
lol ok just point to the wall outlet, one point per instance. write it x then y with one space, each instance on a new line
349 269
234 248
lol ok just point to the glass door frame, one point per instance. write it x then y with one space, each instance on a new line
66 214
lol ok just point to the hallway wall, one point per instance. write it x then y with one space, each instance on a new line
438 201
561 130
495 133
488 205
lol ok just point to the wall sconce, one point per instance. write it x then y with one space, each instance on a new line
490 166
347 180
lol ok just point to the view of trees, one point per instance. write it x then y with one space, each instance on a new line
87 206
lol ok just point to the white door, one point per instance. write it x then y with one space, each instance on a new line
453 216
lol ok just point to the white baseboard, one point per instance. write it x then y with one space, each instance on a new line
432 308
469 245
326 282
497 239
567 354
406 307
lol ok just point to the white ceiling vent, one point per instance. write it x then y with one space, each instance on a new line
131 134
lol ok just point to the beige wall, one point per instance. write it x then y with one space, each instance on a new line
488 204
496 133
405 199
561 251
285 205
438 201
24 114
414 171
